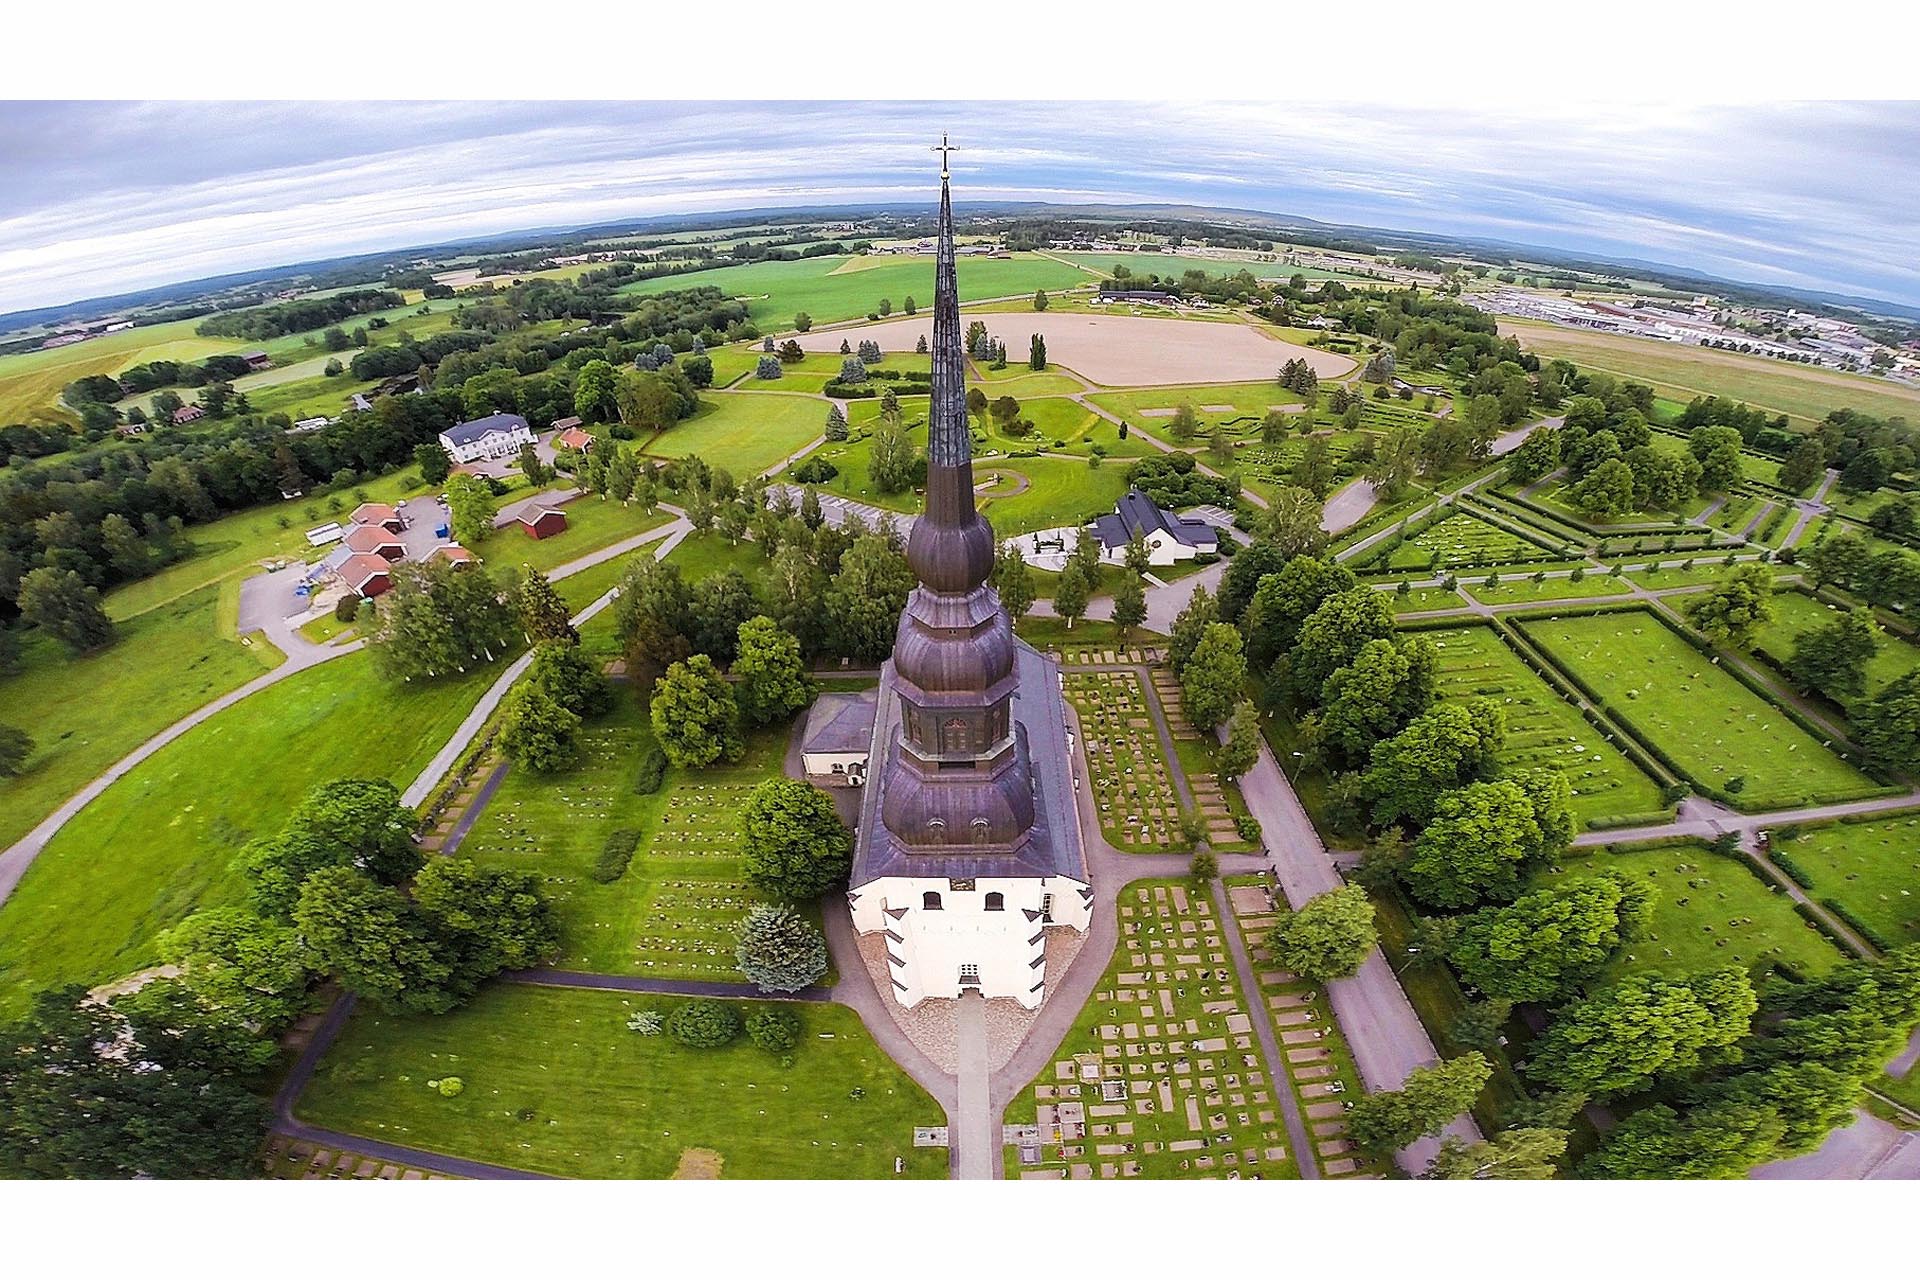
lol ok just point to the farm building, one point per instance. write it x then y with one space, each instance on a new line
1170 538
574 437
188 413
378 513
375 540
366 575
542 522
257 361
453 553
498 435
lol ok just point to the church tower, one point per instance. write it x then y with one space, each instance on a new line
967 852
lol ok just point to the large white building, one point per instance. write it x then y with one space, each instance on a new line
969 848
1170 538
495 436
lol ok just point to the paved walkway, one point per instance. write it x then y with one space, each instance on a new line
974 1134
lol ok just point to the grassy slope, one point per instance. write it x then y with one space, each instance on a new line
608 1103
85 713
744 432
158 844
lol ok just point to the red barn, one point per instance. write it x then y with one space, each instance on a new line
366 575
377 513
373 539
543 522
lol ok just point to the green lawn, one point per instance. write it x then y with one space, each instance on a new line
592 523
1421 598
158 843
1514 588
744 433
700 554
1708 911
672 915
1543 730
555 1083
85 713
1458 541
1712 726
1706 570
836 288
1870 868
1795 613
812 373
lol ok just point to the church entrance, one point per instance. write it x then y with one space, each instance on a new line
969 976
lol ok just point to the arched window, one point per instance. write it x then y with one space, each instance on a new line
930 901
955 733
980 828
996 902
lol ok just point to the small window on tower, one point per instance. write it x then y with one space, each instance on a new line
930 901
996 902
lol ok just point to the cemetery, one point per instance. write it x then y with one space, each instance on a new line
1161 1075
1867 873
1131 776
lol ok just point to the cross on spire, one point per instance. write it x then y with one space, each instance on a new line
944 149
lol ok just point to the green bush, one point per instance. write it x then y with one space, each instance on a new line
646 1022
704 1024
1248 826
815 470
451 1087
774 1029
653 769
615 854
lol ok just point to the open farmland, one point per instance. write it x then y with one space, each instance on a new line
1544 731
1799 391
832 288
31 381
1710 725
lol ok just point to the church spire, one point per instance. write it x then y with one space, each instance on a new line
956 550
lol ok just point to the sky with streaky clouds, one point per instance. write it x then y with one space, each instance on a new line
104 198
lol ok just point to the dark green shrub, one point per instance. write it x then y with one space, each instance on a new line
774 1029
615 854
653 768
704 1024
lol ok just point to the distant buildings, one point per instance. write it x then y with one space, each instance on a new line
498 435
257 361
188 413
1153 297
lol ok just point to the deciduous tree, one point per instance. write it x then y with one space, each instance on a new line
1420 1108
771 679
795 846
1643 1028
1327 938
1214 677
1550 942
695 718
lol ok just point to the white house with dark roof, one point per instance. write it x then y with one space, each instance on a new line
838 741
498 435
1170 538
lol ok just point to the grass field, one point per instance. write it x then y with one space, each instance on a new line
672 915
1712 726
831 289
1709 911
1176 265
555 1083
158 843
745 433
31 381
1543 730
1514 588
1684 372
1422 598
85 713
1795 613
1870 868
810 374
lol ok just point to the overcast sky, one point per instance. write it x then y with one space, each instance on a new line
107 197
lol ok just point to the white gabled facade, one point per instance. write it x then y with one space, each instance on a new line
1163 549
948 937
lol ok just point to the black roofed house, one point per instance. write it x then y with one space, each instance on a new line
968 851
498 435
838 739
1170 538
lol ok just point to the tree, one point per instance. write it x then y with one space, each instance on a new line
536 732
1607 490
1292 525
771 679
435 466
1039 301
1037 344
1396 458
484 920
891 462
695 718
1537 456
89 1091
719 603
864 601
1189 626
1241 750
1333 635
1888 725
571 677
1806 463
1327 938
1446 746
369 937
777 950
1211 684
1641 1029
437 619
1387 684
1313 469
704 1024
1722 1139
1736 607
15 747
654 613
1838 560
1482 838
1832 657
1284 600
1420 1108
471 503
542 613
361 823
1185 423
1550 942
531 467
1013 578
796 848
60 602
250 969
596 392
1718 451
802 321
1511 1155
1129 605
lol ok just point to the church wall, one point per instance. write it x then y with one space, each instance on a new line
935 943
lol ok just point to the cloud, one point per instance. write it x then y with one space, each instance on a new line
106 197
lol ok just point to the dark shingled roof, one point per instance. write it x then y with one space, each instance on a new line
468 432
841 722
1136 515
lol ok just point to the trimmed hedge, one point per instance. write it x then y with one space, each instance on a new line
653 769
1859 926
615 854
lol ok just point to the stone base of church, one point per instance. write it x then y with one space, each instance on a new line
930 1024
